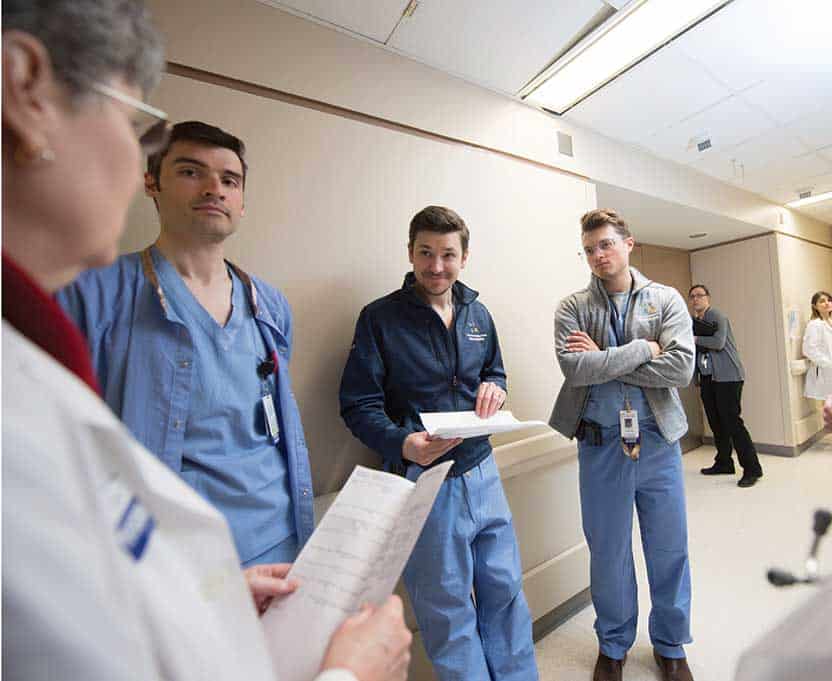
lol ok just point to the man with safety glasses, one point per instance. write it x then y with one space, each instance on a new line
625 345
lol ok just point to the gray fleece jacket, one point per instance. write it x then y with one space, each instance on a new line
656 313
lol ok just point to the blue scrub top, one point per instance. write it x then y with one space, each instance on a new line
606 400
228 456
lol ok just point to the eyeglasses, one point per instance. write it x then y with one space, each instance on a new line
151 128
604 246
697 295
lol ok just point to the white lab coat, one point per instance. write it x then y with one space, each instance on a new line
798 649
817 347
76 604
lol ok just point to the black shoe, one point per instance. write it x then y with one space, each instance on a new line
608 669
673 669
748 480
717 470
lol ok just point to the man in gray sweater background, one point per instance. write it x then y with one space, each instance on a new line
625 345
720 376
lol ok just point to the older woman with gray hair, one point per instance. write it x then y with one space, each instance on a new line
720 375
113 568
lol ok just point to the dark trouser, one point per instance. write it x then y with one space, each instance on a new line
722 407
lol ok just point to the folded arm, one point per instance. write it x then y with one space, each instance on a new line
673 368
720 336
593 367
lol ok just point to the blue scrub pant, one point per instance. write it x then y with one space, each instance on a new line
468 544
610 484
284 552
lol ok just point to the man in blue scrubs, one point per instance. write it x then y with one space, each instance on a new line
625 345
432 346
192 353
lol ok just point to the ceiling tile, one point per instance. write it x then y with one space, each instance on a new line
728 44
814 130
752 40
492 42
726 124
787 174
374 20
665 88
783 193
718 164
770 149
788 97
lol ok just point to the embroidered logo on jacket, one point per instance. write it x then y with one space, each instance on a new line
473 333
647 308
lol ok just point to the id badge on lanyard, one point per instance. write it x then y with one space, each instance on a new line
630 436
264 370
627 417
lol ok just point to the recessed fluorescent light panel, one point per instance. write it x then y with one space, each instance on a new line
808 201
628 37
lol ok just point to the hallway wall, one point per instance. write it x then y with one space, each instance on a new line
328 203
284 52
346 142
671 266
803 268
757 282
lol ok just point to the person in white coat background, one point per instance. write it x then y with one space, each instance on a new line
817 348
113 569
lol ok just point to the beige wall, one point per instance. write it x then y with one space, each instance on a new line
744 285
328 201
671 266
756 283
803 269
329 198
257 43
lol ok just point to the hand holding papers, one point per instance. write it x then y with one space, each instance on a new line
355 556
464 424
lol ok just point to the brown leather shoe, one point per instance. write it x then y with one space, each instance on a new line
607 669
673 669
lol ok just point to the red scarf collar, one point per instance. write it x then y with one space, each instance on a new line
35 314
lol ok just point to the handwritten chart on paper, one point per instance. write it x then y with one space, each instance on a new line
355 556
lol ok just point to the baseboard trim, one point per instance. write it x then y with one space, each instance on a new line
545 625
817 437
790 451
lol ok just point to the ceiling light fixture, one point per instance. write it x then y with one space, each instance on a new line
809 200
630 35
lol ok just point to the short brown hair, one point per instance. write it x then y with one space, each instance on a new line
601 217
201 133
441 220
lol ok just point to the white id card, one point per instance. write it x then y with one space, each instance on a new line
628 419
272 428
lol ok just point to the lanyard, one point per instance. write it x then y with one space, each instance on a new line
617 321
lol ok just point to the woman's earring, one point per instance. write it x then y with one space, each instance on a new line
37 155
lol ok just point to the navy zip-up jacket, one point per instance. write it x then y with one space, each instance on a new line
405 361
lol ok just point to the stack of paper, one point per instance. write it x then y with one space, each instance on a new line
451 424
